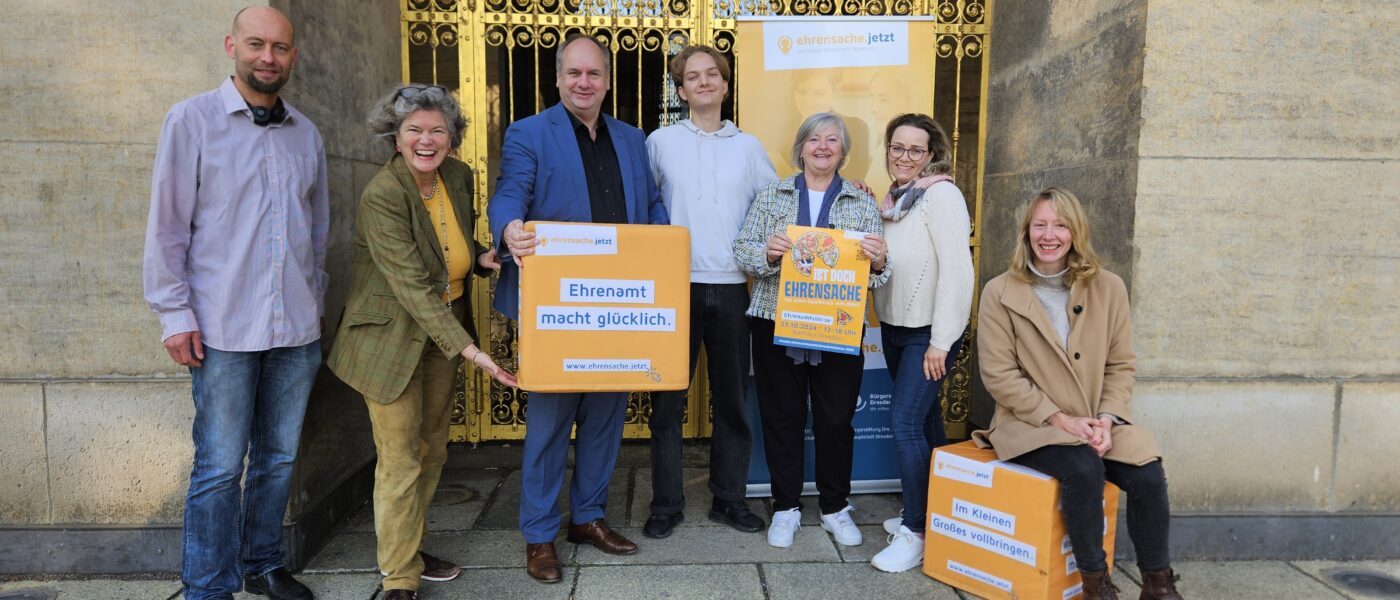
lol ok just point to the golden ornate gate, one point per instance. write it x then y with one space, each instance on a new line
498 55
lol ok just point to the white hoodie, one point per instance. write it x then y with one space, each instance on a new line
708 181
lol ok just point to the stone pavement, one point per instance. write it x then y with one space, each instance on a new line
474 517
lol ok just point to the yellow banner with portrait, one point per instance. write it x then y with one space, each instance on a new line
866 69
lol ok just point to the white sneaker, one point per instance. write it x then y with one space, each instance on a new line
842 527
892 525
905 552
785 525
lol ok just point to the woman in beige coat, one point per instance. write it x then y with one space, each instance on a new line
1056 353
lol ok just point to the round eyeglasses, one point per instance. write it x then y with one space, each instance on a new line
914 154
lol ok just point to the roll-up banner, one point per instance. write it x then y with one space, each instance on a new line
867 70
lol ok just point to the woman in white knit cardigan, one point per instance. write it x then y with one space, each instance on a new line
923 311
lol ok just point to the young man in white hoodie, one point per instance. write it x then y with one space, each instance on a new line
708 172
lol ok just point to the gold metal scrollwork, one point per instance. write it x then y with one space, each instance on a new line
430 5
507 69
433 34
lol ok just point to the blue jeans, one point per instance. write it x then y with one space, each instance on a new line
245 404
917 426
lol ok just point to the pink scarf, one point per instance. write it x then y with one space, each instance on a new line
902 199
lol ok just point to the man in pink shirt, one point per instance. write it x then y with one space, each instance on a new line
235 269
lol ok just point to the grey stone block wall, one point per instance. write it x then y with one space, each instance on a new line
96 418
1268 176
1266 287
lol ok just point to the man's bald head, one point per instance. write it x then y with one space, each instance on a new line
262 51
263 15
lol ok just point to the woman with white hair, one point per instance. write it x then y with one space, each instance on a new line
785 377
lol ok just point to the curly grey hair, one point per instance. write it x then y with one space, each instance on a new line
810 126
390 111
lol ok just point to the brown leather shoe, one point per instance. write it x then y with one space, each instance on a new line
542 563
1159 585
1098 586
596 532
437 569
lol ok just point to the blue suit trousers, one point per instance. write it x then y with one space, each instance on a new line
549 419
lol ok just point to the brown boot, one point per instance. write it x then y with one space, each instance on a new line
1098 586
1159 585
542 563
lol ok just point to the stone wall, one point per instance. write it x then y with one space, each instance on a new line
1239 167
107 414
1267 301
96 419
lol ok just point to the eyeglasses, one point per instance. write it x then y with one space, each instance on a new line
914 154
413 91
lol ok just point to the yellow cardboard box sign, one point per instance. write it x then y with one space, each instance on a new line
995 530
822 291
605 308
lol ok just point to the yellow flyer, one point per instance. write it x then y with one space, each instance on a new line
822 291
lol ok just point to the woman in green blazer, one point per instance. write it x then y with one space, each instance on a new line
408 320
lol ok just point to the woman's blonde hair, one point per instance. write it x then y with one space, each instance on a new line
1083 262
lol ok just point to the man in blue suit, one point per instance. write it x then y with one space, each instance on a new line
569 163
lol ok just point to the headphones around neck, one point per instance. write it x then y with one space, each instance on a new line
263 115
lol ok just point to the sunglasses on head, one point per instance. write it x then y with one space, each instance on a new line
413 91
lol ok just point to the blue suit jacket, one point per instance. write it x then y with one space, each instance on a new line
542 179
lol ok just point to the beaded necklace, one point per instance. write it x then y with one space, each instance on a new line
446 258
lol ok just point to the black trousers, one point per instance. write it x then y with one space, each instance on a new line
717 320
783 390
1081 473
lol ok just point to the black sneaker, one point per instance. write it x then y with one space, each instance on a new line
735 514
661 526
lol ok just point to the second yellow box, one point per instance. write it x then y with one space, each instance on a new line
994 528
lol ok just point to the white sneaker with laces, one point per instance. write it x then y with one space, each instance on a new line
905 552
892 525
842 527
784 527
